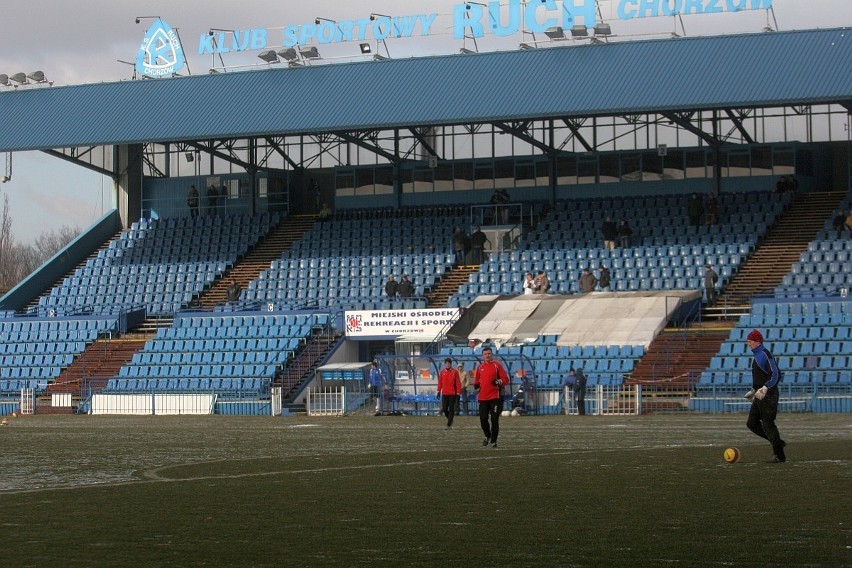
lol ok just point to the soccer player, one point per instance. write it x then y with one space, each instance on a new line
489 380
449 387
764 396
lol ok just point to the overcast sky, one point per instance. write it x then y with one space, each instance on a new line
80 42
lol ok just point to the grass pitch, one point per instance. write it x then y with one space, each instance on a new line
402 491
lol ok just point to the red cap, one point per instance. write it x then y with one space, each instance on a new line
755 336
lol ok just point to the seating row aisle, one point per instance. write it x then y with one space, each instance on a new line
345 265
675 263
219 347
823 270
223 387
150 266
811 341
40 348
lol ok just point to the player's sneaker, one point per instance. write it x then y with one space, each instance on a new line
494 445
485 442
778 458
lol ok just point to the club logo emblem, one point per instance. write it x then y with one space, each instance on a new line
353 323
160 54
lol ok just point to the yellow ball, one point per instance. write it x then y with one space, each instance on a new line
732 455
4 422
14 415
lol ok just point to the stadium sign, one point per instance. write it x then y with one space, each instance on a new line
415 325
469 20
161 53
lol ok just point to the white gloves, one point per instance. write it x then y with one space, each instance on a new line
761 392
749 395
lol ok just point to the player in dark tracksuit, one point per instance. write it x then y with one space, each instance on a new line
764 406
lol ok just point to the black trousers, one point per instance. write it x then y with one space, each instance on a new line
448 406
580 397
490 410
761 420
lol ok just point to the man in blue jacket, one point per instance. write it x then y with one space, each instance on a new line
764 396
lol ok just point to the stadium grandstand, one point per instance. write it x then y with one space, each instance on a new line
256 299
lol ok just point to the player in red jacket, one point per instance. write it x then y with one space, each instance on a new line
490 379
449 387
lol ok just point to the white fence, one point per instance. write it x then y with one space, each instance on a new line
606 400
153 404
326 402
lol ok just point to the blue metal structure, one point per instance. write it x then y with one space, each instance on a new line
670 75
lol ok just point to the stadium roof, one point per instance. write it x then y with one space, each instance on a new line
738 71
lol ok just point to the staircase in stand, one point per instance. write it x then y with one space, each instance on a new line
449 285
303 365
90 371
674 354
258 259
785 241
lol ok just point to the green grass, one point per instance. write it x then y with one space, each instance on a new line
402 491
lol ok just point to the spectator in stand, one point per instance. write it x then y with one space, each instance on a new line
316 193
500 199
587 282
233 291
839 223
212 198
540 283
529 284
624 234
610 233
324 213
406 287
490 379
711 210
849 223
192 201
461 244
710 279
694 210
478 240
391 287
603 278
449 389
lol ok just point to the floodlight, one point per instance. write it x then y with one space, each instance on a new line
269 56
365 48
579 31
526 46
556 32
466 50
19 78
4 79
37 76
289 54
310 52
602 28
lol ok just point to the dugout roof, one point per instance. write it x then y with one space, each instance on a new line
631 77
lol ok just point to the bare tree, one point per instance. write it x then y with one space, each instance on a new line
17 261
7 248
